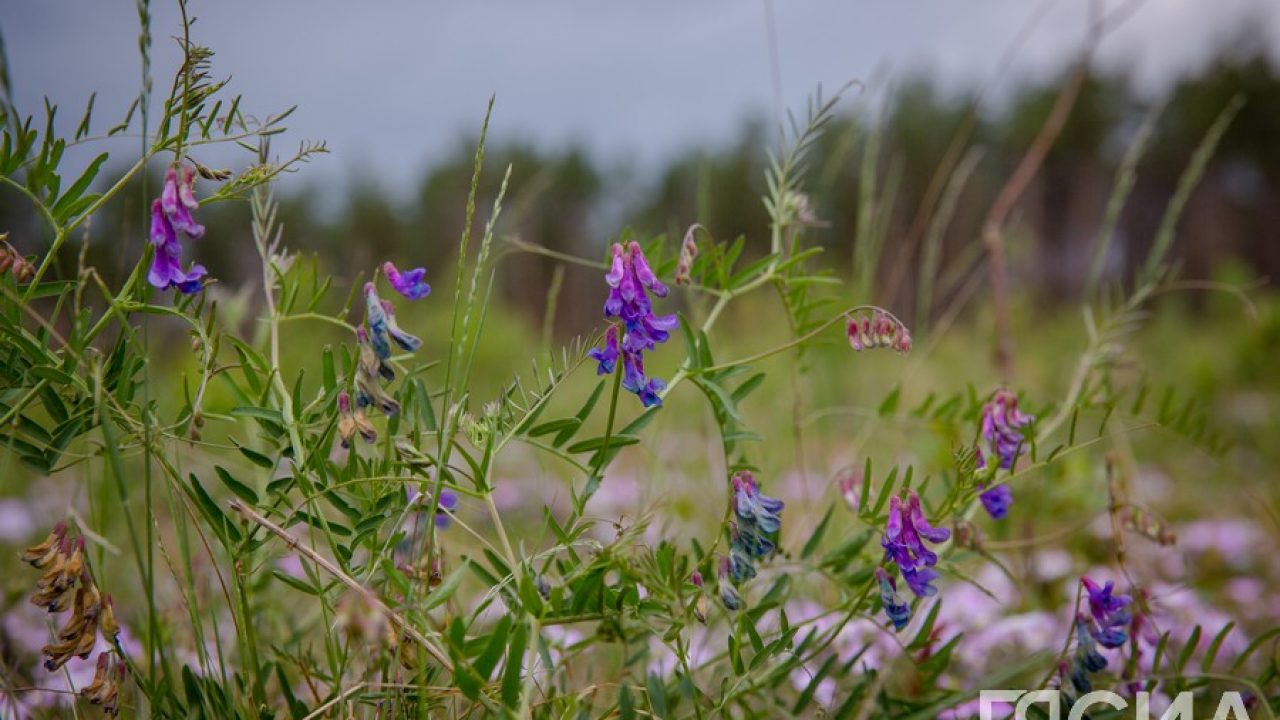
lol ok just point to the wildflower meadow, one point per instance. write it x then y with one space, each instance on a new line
714 474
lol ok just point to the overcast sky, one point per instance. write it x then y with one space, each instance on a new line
392 85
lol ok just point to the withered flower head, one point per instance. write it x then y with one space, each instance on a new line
40 556
105 688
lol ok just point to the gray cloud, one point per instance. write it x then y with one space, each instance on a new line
391 85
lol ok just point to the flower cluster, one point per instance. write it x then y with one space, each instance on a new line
171 214
374 340
903 543
757 520
630 279
1103 625
877 329
895 607
67 585
11 259
1001 424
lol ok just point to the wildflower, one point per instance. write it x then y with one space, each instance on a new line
630 279
1086 659
850 485
105 688
369 369
353 420
877 330
377 322
408 283
700 604
369 392
11 259
728 595
54 588
448 504
40 556
754 508
170 214
997 500
903 543
607 357
406 341
177 200
370 363
688 251
107 620
1109 612
1002 424
895 607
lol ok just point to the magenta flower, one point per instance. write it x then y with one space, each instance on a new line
630 279
171 213
408 283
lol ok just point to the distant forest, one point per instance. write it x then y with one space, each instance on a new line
920 150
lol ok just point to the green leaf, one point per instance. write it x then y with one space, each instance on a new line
515 666
255 457
890 404
595 443
227 530
816 537
657 695
295 583
239 489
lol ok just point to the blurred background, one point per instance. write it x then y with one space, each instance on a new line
661 117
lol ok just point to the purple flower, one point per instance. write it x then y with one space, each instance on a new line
406 341
177 200
607 357
895 607
997 500
170 213
1109 611
630 279
448 504
728 595
1002 423
754 508
408 283
376 318
903 542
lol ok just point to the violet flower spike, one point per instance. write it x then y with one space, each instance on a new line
408 283
169 214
